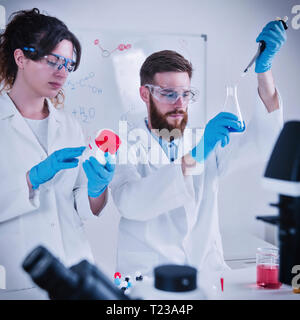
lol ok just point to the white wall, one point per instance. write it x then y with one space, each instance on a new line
232 27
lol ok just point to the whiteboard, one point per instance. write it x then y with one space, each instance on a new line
105 88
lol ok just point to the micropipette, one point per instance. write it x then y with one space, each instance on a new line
262 46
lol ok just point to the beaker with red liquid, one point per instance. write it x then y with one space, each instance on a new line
267 268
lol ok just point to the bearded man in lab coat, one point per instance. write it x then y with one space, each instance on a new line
169 215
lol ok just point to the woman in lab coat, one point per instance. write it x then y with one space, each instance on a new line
45 193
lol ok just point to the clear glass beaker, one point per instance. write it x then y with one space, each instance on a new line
232 105
267 268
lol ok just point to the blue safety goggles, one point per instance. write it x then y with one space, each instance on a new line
56 61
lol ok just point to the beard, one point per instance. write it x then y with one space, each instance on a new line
162 127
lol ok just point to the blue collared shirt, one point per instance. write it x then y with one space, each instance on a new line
170 148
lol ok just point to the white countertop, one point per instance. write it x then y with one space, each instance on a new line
240 284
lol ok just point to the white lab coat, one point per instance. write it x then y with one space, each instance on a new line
53 214
169 218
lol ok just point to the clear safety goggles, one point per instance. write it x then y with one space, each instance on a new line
171 95
55 61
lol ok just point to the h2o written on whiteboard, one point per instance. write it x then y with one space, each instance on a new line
296 19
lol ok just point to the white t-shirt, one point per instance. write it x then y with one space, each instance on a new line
40 130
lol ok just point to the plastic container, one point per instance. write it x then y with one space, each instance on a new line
170 282
267 268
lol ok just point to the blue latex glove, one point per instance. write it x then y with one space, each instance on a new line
99 176
274 36
61 159
217 129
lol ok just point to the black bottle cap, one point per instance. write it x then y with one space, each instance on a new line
175 278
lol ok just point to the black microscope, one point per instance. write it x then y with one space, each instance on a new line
282 175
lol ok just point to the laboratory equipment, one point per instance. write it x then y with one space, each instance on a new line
138 276
106 141
267 268
55 61
262 46
170 282
171 95
175 278
282 175
126 284
222 284
85 281
82 281
232 105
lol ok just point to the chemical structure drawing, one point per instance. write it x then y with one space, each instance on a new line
84 83
106 53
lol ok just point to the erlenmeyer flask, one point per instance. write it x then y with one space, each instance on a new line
232 105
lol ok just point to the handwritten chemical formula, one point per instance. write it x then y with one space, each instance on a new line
84 114
106 53
84 83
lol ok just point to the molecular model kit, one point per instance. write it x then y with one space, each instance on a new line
127 283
